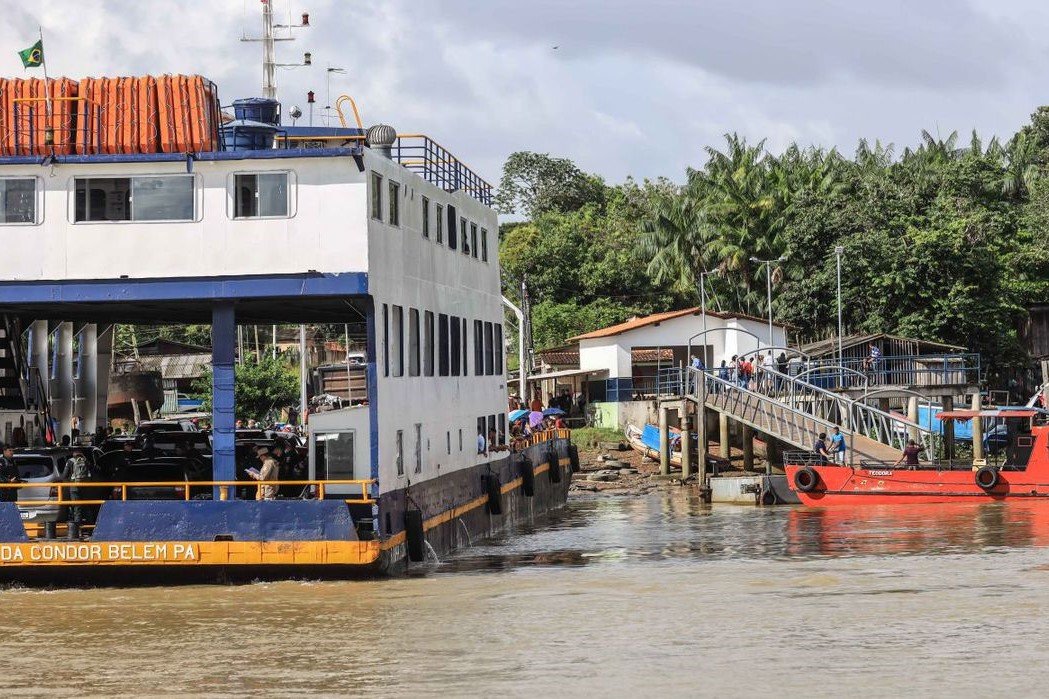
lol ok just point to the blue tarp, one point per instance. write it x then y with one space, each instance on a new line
650 437
963 429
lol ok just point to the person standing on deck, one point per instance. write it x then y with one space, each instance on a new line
8 474
819 448
268 472
910 455
837 446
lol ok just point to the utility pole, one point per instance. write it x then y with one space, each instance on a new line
527 327
768 275
838 250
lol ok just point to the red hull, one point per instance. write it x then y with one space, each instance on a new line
889 485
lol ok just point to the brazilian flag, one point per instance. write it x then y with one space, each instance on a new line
33 56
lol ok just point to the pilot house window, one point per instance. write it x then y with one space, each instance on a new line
18 200
164 198
262 195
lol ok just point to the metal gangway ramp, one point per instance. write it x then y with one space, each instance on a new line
795 411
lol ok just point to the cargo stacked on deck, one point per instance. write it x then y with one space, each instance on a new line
149 114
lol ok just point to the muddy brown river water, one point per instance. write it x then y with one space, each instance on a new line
652 596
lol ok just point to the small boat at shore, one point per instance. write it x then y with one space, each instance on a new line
1022 474
646 442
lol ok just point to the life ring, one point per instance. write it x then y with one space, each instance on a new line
527 477
495 494
987 477
553 461
806 479
414 536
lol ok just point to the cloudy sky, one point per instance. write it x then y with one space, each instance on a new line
633 88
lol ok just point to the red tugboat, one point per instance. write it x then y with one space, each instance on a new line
1023 436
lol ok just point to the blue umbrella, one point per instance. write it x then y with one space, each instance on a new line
517 415
553 412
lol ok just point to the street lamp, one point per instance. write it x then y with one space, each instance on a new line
703 303
838 251
768 275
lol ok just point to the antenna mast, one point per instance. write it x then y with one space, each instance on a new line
269 54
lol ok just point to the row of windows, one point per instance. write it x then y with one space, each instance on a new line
491 431
469 238
443 338
147 198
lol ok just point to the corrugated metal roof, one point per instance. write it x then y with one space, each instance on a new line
830 345
654 319
562 356
178 366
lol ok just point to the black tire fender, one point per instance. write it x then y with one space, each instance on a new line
495 494
806 479
527 472
414 536
554 463
987 477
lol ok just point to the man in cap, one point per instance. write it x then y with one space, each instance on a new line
268 472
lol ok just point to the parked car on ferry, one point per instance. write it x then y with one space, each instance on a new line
166 478
149 426
43 467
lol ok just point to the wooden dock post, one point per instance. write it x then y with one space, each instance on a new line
748 448
948 430
724 437
686 440
977 429
664 441
912 415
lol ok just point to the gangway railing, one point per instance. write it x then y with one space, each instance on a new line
763 412
840 410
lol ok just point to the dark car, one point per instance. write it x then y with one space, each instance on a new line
164 478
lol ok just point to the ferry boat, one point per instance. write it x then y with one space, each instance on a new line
1023 472
139 201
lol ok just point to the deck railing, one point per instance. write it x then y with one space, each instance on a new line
127 488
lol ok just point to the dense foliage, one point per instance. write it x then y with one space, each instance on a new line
942 242
264 387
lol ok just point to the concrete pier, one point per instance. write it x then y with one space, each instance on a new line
724 438
686 441
978 454
664 441
948 428
748 448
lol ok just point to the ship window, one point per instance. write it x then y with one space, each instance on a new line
448 440
442 344
456 340
398 341
478 348
462 233
428 343
452 235
502 428
426 217
440 224
376 196
473 239
334 455
261 195
400 452
482 434
498 348
460 441
418 448
385 340
18 200
395 204
484 245
167 198
491 431
413 342
489 358
466 349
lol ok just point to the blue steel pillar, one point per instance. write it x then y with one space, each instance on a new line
223 355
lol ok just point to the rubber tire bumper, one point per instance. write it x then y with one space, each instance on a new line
495 494
986 477
554 462
806 479
414 536
527 472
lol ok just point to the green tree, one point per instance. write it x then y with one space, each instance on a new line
535 183
261 388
